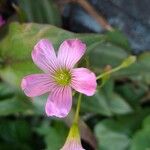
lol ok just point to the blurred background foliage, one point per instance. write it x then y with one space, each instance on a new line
118 115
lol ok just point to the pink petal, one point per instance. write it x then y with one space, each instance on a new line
72 144
84 81
59 102
70 52
36 84
44 56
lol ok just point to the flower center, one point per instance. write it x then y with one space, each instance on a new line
62 77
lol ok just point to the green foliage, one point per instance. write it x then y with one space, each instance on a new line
141 139
6 91
44 11
111 137
101 54
107 106
118 38
12 102
118 108
54 135
16 133
13 105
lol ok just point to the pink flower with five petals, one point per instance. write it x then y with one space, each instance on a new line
60 76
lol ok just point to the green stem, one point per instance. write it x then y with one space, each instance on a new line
126 63
109 72
76 119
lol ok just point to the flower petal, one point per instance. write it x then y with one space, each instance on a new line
44 56
72 144
84 81
59 102
36 84
70 52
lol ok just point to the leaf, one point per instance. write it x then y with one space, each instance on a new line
6 91
110 136
141 139
144 59
49 13
132 93
105 105
12 102
146 123
39 104
118 105
16 133
14 105
102 54
96 104
6 146
118 38
54 136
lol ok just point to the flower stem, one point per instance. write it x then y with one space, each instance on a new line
126 63
109 72
76 119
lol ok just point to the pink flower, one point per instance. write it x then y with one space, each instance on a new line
73 144
60 76
2 21
73 141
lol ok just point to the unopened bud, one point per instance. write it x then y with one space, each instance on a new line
128 61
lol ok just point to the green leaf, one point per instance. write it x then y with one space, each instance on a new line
145 63
16 133
96 104
118 105
141 139
144 59
54 136
6 146
146 123
132 93
107 106
44 11
102 54
15 105
118 38
6 91
39 104
110 136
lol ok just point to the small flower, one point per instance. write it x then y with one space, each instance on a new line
2 21
73 141
60 76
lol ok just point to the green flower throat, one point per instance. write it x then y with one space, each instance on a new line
62 77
